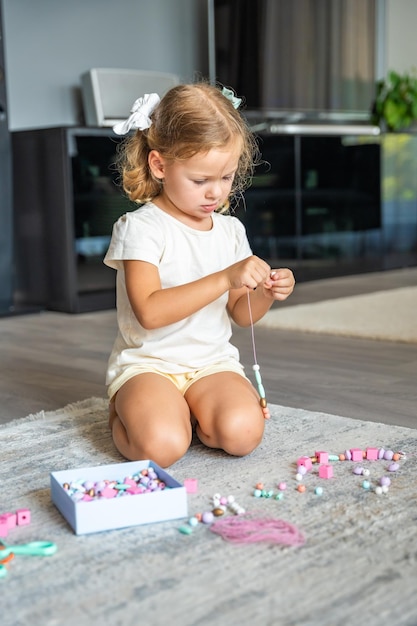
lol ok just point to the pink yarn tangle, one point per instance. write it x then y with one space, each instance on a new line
249 528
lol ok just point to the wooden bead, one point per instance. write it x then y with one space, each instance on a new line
263 403
218 512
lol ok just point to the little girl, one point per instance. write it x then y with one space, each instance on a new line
183 270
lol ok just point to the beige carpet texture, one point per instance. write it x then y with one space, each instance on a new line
389 315
358 564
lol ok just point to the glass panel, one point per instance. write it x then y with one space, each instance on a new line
269 210
340 198
98 203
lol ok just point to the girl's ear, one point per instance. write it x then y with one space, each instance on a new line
156 164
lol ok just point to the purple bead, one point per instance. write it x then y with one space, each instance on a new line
301 469
348 455
393 467
207 517
358 470
381 453
385 481
388 455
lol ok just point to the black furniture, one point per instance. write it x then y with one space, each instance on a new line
66 201
315 201
6 215
324 203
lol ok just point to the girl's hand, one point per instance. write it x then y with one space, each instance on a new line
280 284
248 273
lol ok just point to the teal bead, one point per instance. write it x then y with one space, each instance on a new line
185 530
258 377
257 493
333 457
261 391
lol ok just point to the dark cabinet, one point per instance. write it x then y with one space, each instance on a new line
66 200
315 201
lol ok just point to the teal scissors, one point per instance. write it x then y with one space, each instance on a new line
34 548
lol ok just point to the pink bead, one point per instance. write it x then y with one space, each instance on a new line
372 454
134 490
326 471
282 486
11 519
23 517
108 492
191 485
3 526
306 461
322 457
357 454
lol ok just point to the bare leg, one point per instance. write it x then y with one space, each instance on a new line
228 413
150 419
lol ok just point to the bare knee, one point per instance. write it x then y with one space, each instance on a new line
163 447
237 432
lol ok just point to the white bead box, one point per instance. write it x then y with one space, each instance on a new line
119 512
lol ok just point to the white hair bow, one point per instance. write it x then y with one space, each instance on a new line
140 114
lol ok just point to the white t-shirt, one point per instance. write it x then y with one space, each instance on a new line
181 254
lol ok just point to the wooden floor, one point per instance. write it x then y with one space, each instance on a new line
50 359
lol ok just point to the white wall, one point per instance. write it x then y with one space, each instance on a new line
401 40
50 43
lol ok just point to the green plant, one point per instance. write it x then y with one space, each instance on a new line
395 105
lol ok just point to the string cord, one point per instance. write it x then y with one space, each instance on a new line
252 330
255 367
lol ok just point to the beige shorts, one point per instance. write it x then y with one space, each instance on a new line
182 381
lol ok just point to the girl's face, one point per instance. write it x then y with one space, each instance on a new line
196 187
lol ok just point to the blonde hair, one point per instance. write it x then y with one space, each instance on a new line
189 119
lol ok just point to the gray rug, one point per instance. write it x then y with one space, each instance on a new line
387 315
358 564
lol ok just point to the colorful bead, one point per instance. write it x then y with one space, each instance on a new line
393 467
207 517
218 511
356 454
322 457
325 471
318 491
